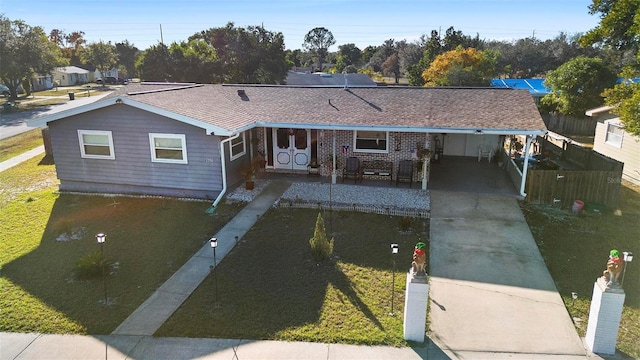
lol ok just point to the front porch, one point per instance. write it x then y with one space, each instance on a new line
452 174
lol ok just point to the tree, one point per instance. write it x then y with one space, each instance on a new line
348 54
101 55
155 63
251 55
577 85
461 67
391 67
619 28
24 51
318 41
193 61
127 56
619 24
321 247
382 53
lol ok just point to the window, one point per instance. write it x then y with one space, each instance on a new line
237 147
168 148
614 134
371 141
96 144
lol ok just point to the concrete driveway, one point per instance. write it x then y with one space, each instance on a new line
491 293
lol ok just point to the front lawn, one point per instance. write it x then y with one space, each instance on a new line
147 240
576 248
19 144
270 287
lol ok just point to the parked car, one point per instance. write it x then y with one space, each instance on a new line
110 80
5 90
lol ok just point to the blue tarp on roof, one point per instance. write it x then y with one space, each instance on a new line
535 86
632 80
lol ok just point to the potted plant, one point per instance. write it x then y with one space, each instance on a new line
249 172
424 154
500 157
518 147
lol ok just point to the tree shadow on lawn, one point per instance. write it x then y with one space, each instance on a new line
269 286
147 239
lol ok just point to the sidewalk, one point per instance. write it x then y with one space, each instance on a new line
21 158
121 347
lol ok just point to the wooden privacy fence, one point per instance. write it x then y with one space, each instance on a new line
563 187
567 124
591 177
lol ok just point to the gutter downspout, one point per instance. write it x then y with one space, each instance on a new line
223 166
525 166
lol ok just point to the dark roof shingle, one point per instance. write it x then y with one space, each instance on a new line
402 107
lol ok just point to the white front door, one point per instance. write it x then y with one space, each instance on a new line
291 149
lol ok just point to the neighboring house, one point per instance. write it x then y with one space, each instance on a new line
41 82
95 74
611 140
191 140
70 75
326 79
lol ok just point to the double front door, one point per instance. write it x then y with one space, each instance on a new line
291 150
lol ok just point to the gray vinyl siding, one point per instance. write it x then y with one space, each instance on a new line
628 153
132 171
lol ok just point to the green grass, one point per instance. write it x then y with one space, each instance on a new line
38 289
575 249
269 286
18 144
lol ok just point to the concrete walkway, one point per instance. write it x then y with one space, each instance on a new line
163 302
7 164
491 293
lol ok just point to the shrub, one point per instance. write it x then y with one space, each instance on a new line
90 266
404 223
321 248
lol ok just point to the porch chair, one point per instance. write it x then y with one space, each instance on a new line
405 172
485 150
352 169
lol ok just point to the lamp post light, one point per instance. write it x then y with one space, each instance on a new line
627 257
101 238
214 244
394 251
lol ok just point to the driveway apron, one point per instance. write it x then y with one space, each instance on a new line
490 289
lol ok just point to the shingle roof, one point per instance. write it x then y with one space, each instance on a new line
324 79
72 70
391 107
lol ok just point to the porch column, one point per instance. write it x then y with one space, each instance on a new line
425 162
525 165
334 176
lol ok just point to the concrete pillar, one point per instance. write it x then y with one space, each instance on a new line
604 317
415 308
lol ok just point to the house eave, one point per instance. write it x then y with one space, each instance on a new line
598 110
407 129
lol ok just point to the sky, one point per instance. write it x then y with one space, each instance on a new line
362 23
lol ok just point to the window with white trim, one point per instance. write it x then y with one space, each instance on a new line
168 148
237 147
371 141
614 134
96 144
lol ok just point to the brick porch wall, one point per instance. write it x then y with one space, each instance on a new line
400 146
